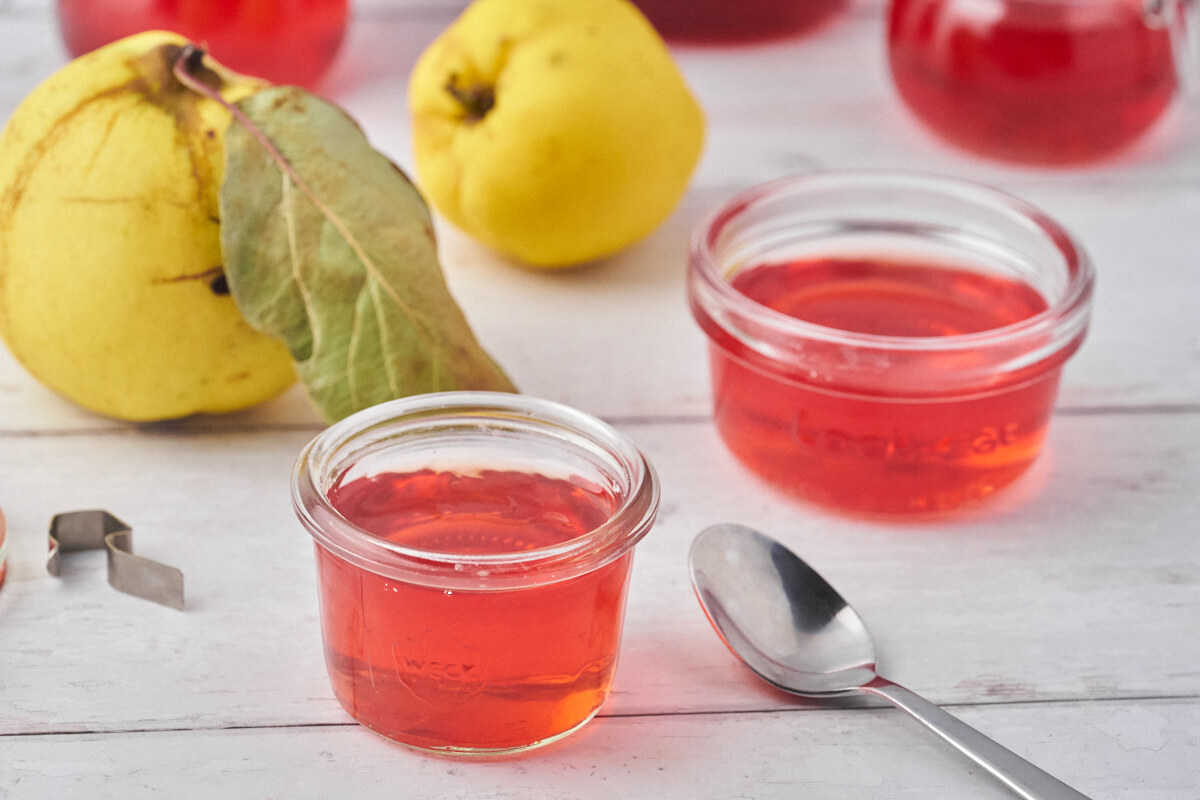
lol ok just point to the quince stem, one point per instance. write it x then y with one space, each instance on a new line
191 57
478 99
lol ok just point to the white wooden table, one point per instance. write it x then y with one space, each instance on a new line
1063 620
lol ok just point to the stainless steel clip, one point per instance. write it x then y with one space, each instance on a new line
140 577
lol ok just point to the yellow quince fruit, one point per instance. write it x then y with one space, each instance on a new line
111 284
554 131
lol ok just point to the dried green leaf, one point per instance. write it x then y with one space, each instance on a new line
330 248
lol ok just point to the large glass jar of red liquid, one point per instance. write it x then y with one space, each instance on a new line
1039 81
284 41
473 552
886 343
735 21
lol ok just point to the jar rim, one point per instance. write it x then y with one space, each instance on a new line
1066 314
630 521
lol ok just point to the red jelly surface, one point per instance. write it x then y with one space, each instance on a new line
722 21
284 41
1029 80
486 670
886 451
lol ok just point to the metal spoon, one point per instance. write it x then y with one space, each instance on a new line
793 629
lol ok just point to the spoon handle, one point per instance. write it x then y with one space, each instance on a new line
1019 775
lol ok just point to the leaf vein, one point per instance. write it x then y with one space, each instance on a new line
389 363
289 171
294 261
356 326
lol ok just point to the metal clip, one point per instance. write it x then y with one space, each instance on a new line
140 577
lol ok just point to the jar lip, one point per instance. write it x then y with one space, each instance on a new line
706 272
629 522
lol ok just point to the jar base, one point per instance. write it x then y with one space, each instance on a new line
481 753
879 457
718 23
917 509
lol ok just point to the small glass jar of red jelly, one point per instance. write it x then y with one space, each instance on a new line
473 552
886 343
744 21
1041 81
283 41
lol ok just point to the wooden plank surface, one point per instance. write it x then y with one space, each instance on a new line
1064 618
1080 584
1135 751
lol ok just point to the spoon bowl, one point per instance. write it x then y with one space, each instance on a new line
778 615
793 629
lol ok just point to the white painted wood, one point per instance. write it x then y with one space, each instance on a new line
1082 583
1064 619
1136 751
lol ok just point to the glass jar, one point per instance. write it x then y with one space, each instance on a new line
473 552
284 41
886 343
724 22
1040 81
